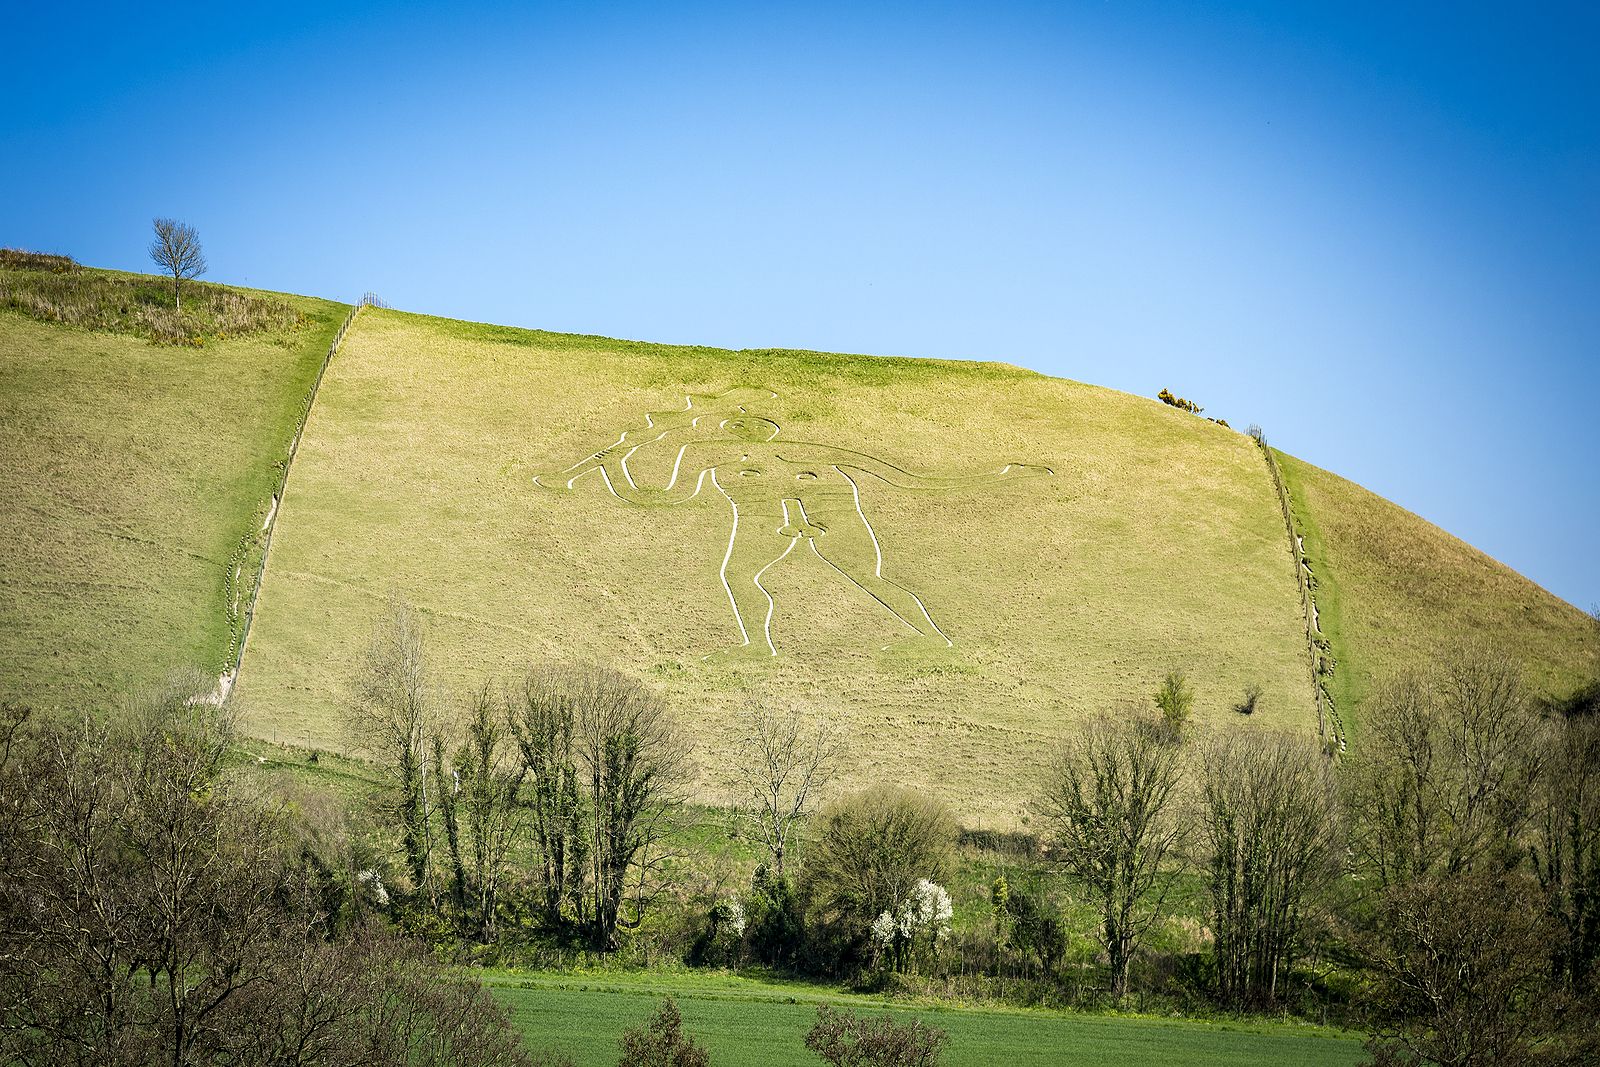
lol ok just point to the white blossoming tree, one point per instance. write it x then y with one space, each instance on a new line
921 920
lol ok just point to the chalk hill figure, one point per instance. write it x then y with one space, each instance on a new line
784 495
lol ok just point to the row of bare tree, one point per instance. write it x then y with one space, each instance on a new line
1468 809
1262 822
1455 857
579 765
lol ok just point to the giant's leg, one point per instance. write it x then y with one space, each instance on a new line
849 545
758 540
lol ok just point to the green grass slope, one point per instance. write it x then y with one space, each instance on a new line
1156 542
129 473
1394 591
742 1021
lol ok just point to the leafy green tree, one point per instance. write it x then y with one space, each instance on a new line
606 767
479 789
1175 701
1031 923
872 849
776 924
543 722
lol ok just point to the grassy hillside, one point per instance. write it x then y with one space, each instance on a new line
1395 590
130 471
1153 541
1030 549
743 1021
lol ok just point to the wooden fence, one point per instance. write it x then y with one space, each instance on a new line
1329 725
239 621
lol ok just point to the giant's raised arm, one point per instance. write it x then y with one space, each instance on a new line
904 479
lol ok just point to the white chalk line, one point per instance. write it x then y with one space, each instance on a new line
650 423
726 556
771 603
896 476
877 568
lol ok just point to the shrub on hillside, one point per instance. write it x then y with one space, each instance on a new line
847 1040
1175 701
18 259
1166 397
1013 844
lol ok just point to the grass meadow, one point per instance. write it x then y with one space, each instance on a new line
745 1021
1394 590
1157 543
129 472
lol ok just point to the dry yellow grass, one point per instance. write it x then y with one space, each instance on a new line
1395 591
1156 543
130 471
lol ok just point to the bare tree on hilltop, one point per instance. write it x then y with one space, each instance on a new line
177 252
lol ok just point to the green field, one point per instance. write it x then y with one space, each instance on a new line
130 472
743 1021
1155 541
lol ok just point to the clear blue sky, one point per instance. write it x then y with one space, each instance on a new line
1373 229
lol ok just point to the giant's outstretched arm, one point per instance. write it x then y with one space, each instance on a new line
612 466
904 479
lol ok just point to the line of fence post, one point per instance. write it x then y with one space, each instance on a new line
240 622
1328 720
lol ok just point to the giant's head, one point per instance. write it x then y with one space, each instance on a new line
705 412
747 427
